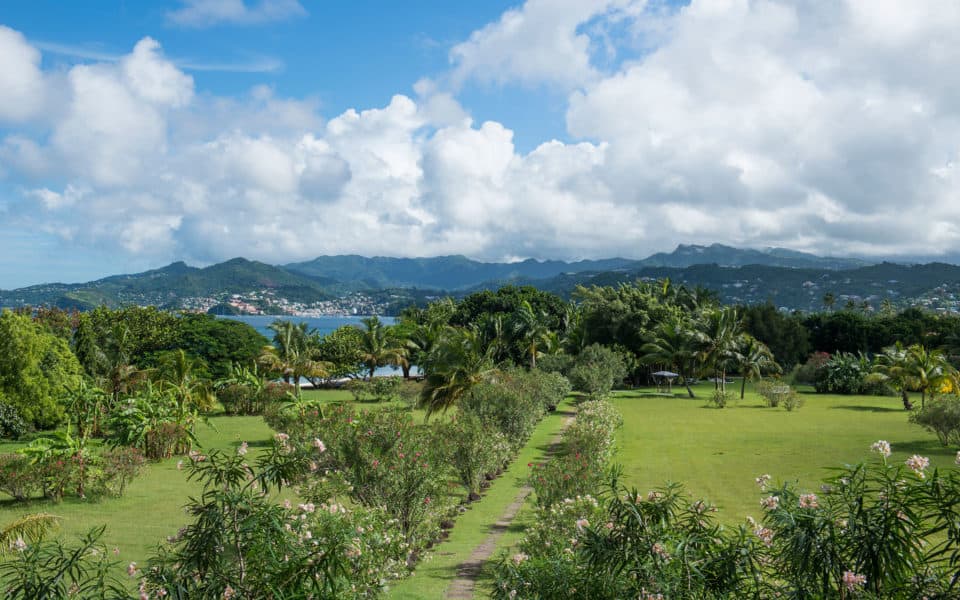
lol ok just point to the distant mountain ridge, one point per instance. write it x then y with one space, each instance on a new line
732 271
727 256
449 273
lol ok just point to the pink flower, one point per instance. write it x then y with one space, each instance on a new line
765 535
319 445
228 593
282 438
660 551
808 501
762 481
917 464
852 581
581 523
770 502
881 447
242 450
132 569
19 545
519 558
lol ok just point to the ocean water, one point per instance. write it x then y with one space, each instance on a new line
323 325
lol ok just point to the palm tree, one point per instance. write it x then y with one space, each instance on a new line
891 366
380 346
531 330
927 370
718 335
460 361
672 345
753 359
294 354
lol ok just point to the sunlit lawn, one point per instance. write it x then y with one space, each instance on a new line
717 453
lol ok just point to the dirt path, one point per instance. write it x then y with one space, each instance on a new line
468 572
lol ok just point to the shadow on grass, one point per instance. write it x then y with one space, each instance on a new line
926 447
873 409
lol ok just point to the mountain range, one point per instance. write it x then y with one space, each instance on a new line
791 279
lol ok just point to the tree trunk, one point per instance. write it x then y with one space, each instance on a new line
743 386
405 366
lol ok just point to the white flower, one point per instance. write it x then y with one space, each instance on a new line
19 545
882 447
242 450
917 464
770 502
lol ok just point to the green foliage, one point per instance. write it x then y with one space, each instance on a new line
380 459
474 451
153 423
597 370
12 424
582 465
810 370
219 343
18 478
241 544
379 389
555 363
36 368
843 373
783 333
941 417
504 407
720 398
54 570
342 349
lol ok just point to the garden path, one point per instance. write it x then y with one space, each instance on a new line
468 572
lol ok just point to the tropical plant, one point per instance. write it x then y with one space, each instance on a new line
753 359
458 362
672 345
531 330
53 570
294 354
379 346
718 333
596 370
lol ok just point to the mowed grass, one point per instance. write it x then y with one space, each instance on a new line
717 453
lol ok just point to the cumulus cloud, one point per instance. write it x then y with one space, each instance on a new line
821 127
21 80
207 13
538 43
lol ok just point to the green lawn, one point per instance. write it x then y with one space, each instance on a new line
152 507
717 453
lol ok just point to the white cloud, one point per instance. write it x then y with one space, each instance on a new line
747 122
539 43
207 13
21 81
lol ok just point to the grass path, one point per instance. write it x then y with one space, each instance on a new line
469 571
439 569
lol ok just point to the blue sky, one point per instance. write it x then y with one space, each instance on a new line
134 134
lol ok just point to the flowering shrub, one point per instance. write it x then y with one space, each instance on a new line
243 545
474 451
12 424
874 530
587 448
502 406
17 478
116 467
380 459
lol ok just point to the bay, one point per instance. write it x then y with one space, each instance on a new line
323 325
